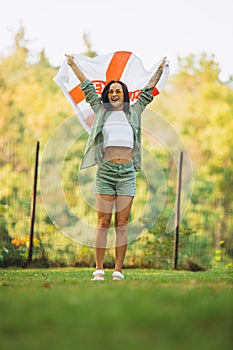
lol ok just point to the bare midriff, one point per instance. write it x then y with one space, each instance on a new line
119 155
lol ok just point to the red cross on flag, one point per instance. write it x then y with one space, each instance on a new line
120 65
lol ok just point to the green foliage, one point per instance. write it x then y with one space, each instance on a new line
12 257
197 103
89 52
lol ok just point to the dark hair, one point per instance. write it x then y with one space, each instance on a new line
105 99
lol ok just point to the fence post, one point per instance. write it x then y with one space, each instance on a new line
177 217
33 203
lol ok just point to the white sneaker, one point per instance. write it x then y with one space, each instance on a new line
117 275
98 275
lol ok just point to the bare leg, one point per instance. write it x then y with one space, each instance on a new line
123 209
104 205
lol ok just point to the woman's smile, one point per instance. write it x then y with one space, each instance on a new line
116 96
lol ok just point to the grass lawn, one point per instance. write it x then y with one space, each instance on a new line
150 309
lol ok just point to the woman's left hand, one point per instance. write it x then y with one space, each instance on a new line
163 62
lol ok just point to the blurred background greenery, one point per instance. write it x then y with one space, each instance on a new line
195 102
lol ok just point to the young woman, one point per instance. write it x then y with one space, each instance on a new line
114 144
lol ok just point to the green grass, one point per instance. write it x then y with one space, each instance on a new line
63 309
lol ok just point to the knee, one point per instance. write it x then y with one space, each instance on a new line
104 223
121 223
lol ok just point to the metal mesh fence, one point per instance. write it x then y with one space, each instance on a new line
205 232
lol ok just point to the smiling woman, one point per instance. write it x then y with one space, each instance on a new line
115 145
115 96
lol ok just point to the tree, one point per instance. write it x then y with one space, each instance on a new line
200 107
89 52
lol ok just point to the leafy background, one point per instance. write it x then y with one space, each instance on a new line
197 104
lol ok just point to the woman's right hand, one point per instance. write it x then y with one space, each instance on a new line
70 60
77 71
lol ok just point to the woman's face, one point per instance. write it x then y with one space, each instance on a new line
116 96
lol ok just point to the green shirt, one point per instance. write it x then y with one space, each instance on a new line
94 151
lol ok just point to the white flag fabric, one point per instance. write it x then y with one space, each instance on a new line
120 65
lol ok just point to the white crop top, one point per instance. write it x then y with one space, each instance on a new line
117 131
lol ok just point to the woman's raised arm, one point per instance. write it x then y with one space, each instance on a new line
77 71
154 80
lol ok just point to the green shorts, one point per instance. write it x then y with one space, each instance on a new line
115 179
